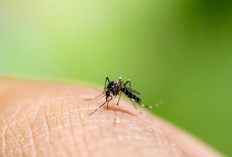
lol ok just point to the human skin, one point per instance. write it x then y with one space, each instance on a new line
47 118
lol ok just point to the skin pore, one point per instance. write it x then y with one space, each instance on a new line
39 118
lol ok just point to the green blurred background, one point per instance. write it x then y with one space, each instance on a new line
177 51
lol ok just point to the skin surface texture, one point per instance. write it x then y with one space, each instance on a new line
39 118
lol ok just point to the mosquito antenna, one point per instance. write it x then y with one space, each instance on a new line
97 97
97 89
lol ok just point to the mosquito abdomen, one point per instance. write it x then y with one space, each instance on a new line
131 95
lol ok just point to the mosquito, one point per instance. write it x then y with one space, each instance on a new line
112 89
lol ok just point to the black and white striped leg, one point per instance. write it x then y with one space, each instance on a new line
107 101
128 81
145 106
134 104
107 79
120 79
115 112
107 104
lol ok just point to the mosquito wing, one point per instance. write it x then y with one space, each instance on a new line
133 91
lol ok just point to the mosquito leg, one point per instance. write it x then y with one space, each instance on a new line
134 105
107 79
97 108
115 112
120 79
119 98
107 104
107 101
128 81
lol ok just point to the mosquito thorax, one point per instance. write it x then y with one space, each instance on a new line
114 87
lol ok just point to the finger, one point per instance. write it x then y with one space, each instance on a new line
52 119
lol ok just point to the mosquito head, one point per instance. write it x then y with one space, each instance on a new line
107 93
